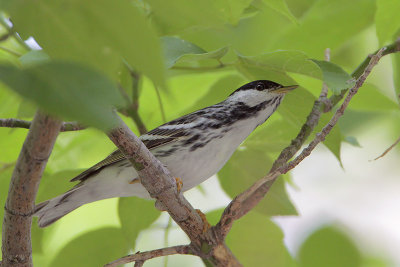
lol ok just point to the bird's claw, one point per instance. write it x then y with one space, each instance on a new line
179 184
206 224
134 181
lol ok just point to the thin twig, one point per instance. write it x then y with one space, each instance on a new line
14 34
10 51
144 256
324 92
132 106
389 49
247 200
339 112
388 149
161 104
17 123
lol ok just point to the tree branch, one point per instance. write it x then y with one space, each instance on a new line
389 49
16 244
144 256
247 200
162 186
388 149
17 123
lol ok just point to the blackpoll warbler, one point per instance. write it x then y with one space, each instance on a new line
193 147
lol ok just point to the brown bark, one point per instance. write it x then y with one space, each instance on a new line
162 186
16 243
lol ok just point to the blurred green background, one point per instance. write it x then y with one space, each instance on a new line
76 58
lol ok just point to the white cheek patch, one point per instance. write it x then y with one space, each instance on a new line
250 97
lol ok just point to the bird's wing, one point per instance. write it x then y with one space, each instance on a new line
162 135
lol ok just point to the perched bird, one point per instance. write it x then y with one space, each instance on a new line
193 148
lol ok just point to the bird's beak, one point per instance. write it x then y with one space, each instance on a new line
284 89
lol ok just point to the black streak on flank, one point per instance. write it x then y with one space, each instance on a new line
192 140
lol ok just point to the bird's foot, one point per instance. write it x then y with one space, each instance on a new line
179 184
134 181
206 224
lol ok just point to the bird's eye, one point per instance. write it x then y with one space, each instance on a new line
260 87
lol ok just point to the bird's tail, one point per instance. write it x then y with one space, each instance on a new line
53 209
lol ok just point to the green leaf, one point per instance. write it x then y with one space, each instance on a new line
334 76
68 90
387 19
247 166
255 240
218 92
94 248
329 247
326 24
251 36
174 48
273 137
136 214
98 33
216 54
281 7
352 141
55 184
333 140
284 61
232 9
296 106
178 50
253 73
177 15
34 57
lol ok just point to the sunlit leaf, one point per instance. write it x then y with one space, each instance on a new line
94 248
296 106
136 215
334 76
252 36
328 24
68 90
232 9
178 50
273 137
286 61
247 166
55 184
174 48
98 33
281 7
216 54
387 20
218 92
329 247
177 15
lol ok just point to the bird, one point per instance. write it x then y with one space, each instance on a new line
193 147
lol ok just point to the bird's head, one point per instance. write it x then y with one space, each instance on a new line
256 92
